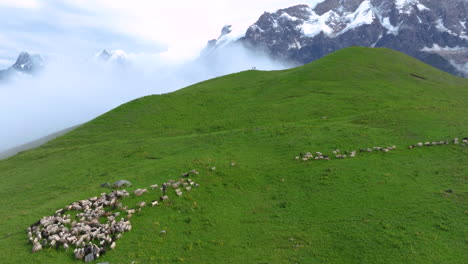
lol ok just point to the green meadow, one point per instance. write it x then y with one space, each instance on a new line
268 208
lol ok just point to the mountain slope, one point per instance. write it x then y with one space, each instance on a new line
34 144
268 208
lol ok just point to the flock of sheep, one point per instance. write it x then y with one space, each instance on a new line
455 141
80 224
338 154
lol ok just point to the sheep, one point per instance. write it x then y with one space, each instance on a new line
132 211
141 204
194 172
140 192
233 164
36 247
154 203
164 197
79 253
214 168
297 157
455 141
420 144
154 186
112 246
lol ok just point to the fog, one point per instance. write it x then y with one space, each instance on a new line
73 90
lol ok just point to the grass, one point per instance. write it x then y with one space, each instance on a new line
269 208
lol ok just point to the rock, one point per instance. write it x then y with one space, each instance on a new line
432 31
89 257
106 185
121 183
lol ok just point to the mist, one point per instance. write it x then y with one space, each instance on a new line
72 90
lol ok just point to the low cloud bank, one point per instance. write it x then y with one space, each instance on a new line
72 91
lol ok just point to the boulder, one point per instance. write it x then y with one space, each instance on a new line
121 183
106 185
89 257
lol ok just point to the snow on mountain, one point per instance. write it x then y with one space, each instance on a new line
25 65
115 56
304 33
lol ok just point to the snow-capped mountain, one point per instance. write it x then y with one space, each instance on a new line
25 64
113 56
433 31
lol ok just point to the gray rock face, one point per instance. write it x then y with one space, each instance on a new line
121 183
433 31
89 257
26 64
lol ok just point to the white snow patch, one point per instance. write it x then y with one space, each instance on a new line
390 28
435 47
316 24
422 7
364 14
288 16
295 45
419 20
406 6
441 27
256 28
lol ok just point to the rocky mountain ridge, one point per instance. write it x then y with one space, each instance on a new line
435 32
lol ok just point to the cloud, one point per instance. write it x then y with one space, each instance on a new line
21 3
162 39
73 90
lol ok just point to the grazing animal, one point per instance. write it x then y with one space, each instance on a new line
36 247
140 192
154 203
154 186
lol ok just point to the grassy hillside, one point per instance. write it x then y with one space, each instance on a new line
269 208
34 144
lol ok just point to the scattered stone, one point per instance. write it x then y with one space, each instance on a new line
89 257
121 183
106 185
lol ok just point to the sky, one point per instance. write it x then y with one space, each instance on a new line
162 40
176 30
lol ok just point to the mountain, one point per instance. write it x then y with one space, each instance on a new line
404 206
25 64
433 31
113 56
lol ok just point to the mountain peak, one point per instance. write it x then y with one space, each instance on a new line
305 33
28 63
